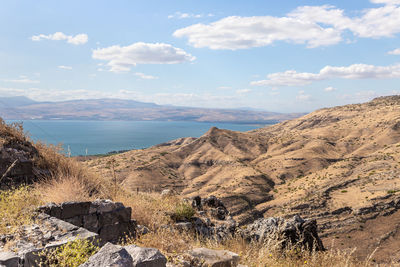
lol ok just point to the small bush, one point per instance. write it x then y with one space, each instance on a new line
183 211
72 254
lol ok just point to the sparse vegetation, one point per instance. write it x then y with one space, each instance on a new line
16 208
72 254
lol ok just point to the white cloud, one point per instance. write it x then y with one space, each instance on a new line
330 89
224 87
311 25
288 78
122 58
145 76
390 2
394 52
302 97
65 67
180 15
243 91
244 32
355 71
78 39
22 79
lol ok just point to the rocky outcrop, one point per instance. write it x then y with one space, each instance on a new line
47 233
294 231
111 220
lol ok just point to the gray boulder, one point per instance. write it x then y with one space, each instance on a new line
110 255
146 257
215 258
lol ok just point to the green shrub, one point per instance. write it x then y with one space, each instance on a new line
183 211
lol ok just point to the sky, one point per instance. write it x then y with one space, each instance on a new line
283 56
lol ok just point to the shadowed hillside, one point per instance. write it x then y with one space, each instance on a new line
339 165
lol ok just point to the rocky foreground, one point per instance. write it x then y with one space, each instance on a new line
107 224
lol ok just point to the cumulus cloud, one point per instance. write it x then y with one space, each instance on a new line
65 67
330 89
394 52
355 71
145 76
288 78
78 39
180 15
311 25
237 32
122 58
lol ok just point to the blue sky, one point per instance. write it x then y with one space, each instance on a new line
286 56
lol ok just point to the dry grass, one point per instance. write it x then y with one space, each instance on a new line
63 188
149 209
174 244
16 208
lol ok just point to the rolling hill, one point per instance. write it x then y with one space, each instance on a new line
339 165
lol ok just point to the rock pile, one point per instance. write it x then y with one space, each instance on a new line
104 222
213 220
294 231
112 221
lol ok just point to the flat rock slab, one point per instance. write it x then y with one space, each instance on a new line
215 258
146 257
110 255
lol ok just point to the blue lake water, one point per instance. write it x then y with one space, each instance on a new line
100 137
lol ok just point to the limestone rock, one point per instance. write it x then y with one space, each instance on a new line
146 257
110 255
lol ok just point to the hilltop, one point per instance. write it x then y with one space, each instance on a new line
129 110
339 165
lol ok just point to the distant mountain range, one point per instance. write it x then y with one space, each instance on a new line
118 109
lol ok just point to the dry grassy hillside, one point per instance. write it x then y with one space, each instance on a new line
340 165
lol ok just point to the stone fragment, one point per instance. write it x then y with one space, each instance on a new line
146 257
110 255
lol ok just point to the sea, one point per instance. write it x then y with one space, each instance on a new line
102 137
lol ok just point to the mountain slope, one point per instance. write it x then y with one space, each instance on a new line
340 165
